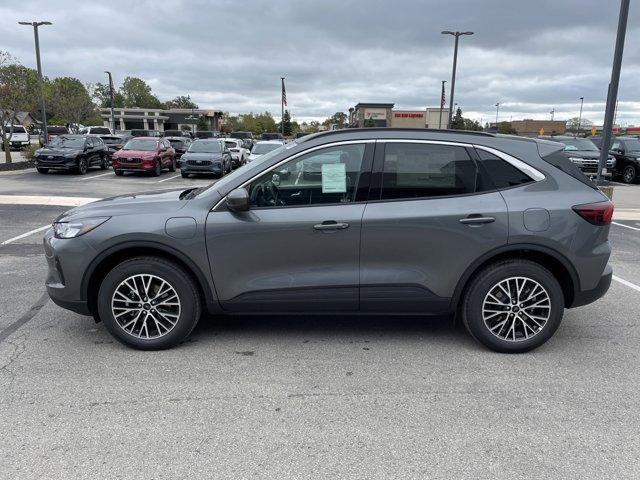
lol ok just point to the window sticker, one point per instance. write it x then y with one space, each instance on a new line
334 178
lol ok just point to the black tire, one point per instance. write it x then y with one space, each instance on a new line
42 170
82 167
104 164
184 174
157 170
172 168
629 174
486 280
183 285
118 172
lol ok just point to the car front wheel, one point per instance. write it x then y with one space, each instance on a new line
629 174
513 306
81 169
42 170
172 167
157 169
149 303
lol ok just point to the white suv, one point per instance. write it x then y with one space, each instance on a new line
20 137
96 130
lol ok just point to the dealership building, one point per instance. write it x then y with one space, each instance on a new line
384 115
159 119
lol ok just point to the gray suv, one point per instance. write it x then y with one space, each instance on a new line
503 232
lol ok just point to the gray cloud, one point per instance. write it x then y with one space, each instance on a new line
530 56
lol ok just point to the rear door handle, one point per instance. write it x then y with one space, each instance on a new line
476 219
331 225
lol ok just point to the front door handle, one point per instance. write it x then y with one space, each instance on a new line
331 225
476 219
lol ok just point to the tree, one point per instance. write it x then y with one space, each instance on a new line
285 125
202 124
136 93
19 91
338 118
369 123
457 122
576 124
69 101
506 128
181 101
472 125
100 93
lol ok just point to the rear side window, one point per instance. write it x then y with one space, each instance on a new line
413 170
561 162
500 173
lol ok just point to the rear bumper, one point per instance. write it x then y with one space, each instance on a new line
586 297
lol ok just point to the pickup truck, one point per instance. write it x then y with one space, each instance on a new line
19 139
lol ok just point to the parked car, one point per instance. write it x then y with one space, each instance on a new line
584 153
136 132
626 151
144 154
246 137
52 132
239 153
96 130
206 156
179 144
207 134
272 136
177 133
20 138
262 147
76 153
115 142
503 232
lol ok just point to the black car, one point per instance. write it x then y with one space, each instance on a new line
136 132
271 136
626 151
74 153
115 142
177 133
207 134
179 144
584 153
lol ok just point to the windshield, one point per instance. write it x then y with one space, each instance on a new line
582 144
141 145
111 140
231 144
632 145
240 134
16 129
202 146
231 177
67 142
99 130
262 148
176 143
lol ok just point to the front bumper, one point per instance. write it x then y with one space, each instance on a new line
56 163
142 166
586 297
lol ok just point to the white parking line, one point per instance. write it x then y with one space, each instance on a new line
167 179
45 200
626 226
626 282
96 176
11 240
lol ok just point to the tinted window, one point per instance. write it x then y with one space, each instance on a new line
16 129
231 144
204 146
100 130
329 175
501 174
414 170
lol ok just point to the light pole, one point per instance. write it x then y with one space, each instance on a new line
113 118
552 112
580 115
442 102
497 111
457 35
35 26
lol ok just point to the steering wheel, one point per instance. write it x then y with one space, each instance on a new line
257 195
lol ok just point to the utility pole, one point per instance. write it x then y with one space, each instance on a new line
457 35
612 95
497 111
580 115
553 110
35 26
442 102
113 117
283 102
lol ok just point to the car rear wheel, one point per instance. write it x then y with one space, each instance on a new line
81 169
629 174
157 169
42 170
513 306
149 303
104 164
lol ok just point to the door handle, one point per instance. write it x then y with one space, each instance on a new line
476 219
331 225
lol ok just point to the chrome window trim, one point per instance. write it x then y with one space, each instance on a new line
432 142
519 164
293 157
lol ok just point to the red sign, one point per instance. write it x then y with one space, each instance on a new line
408 115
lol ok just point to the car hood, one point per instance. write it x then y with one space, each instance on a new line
57 151
165 201
201 156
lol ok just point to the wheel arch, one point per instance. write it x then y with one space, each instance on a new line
555 262
108 259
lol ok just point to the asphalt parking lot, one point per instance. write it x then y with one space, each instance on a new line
305 397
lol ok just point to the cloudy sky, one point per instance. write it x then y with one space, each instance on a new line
531 56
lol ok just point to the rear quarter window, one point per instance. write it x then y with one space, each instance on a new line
499 173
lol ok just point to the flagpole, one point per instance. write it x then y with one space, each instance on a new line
442 100
282 107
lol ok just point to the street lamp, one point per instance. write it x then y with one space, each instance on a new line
35 26
497 110
113 118
457 35
580 115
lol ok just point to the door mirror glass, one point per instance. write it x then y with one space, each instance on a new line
238 200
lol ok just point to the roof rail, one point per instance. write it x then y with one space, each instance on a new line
392 129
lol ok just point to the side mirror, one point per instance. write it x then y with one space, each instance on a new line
238 200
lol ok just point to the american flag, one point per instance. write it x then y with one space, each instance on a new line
442 99
284 94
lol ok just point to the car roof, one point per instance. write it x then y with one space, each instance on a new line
175 138
146 138
275 142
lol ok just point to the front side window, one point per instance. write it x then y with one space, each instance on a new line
325 176
414 170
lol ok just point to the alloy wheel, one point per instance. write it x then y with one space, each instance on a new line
516 309
145 306
629 174
82 166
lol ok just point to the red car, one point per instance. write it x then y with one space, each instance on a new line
144 154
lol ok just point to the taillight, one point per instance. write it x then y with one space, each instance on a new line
600 213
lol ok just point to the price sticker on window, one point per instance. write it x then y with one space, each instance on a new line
334 178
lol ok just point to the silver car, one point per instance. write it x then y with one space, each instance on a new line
502 232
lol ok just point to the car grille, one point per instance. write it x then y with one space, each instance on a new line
51 158
590 163
199 163
130 160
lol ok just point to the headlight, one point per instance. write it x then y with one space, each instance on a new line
77 227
